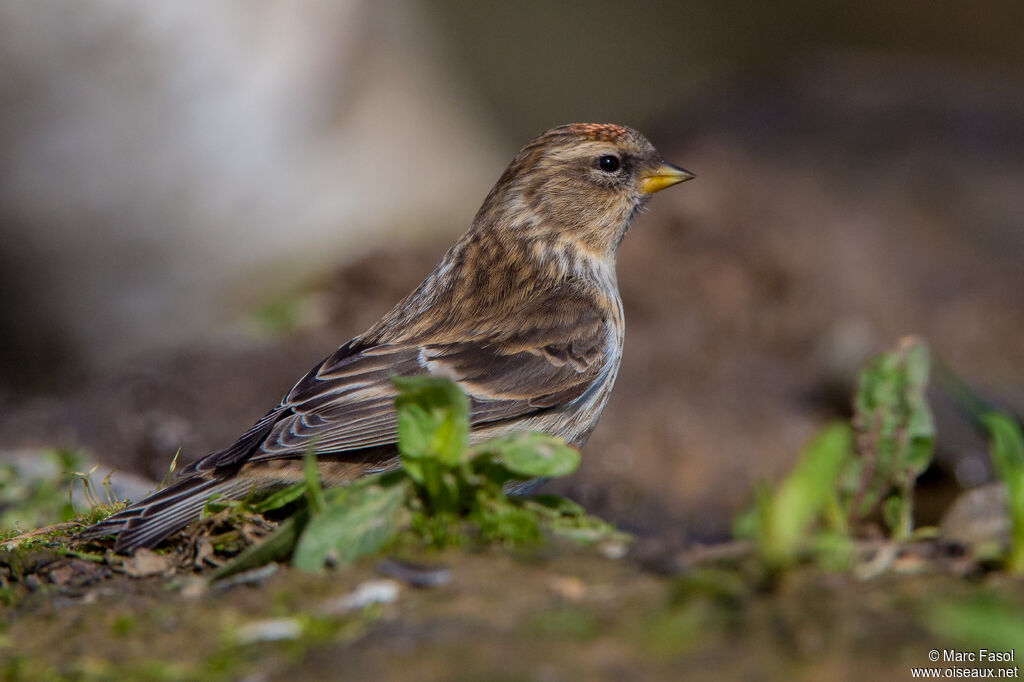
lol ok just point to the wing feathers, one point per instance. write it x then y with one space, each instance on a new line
344 407
349 404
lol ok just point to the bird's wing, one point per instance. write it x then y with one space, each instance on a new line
347 402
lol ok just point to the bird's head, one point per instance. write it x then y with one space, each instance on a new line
580 183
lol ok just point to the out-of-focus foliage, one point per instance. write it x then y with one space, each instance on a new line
1007 453
895 436
847 471
28 502
820 507
781 520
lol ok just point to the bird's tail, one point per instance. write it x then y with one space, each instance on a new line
147 522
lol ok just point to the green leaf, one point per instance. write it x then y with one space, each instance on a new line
585 529
431 393
984 621
804 494
451 438
896 515
277 546
312 480
1007 453
749 523
280 498
358 520
415 431
562 506
532 455
433 419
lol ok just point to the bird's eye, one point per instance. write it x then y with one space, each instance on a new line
609 163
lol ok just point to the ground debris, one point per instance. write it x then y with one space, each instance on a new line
146 563
76 572
270 630
367 593
253 577
569 588
414 574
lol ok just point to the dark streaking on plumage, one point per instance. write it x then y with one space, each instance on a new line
523 312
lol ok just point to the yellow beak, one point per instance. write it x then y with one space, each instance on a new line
663 176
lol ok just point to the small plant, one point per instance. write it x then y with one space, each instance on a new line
781 520
444 488
1007 453
1006 450
895 437
846 471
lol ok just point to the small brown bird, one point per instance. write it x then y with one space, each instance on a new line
523 312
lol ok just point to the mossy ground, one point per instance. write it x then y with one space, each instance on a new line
557 612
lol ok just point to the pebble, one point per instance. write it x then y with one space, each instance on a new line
613 550
367 593
271 630
253 577
145 563
415 575
978 516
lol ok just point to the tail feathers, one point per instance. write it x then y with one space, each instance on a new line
147 522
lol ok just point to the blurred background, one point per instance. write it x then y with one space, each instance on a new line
200 200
